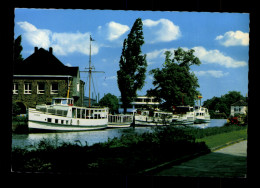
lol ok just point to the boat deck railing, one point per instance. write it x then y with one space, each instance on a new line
120 118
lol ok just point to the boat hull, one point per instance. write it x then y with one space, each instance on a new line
37 126
149 123
118 125
201 120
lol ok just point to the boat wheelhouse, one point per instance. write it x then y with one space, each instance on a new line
61 115
201 115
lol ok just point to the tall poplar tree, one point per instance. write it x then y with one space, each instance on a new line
131 76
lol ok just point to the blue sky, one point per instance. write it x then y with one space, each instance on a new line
220 40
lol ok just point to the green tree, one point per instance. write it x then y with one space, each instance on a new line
18 49
131 75
175 83
223 103
110 101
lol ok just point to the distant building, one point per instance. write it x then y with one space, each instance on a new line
239 107
41 76
140 102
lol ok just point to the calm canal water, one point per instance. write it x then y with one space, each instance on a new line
88 137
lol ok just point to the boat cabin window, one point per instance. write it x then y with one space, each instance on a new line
62 101
78 113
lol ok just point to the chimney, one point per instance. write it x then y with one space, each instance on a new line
50 50
35 49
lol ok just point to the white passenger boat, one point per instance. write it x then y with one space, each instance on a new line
153 118
119 121
184 115
61 115
201 115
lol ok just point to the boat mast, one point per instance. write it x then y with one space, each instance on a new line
90 71
89 101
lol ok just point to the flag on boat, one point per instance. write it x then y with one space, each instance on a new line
91 39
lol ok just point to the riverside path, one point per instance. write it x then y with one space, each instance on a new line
230 161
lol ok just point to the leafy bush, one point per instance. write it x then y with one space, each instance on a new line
128 154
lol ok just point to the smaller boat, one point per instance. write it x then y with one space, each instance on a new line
183 115
119 121
201 115
152 118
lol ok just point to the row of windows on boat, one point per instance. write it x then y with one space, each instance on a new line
77 113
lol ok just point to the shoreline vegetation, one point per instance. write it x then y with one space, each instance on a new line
129 154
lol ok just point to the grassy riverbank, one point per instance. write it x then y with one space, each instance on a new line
126 155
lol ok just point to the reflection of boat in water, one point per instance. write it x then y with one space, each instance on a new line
152 118
119 121
201 115
61 115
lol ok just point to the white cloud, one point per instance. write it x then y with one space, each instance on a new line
66 43
162 30
115 30
158 53
231 38
205 56
36 37
111 78
62 43
216 57
68 64
213 73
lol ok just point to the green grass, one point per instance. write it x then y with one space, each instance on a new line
223 138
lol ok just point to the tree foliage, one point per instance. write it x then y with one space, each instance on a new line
110 101
175 81
18 49
131 75
223 103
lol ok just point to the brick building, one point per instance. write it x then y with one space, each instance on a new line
41 76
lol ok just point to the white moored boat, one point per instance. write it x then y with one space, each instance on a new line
119 121
61 115
153 118
201 115
184 115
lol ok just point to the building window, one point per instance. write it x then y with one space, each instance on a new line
28 88
78 87
15 88
40 88
54 88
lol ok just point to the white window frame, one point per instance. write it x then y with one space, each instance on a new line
54 91
15 88
27 89
78 87
40 91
